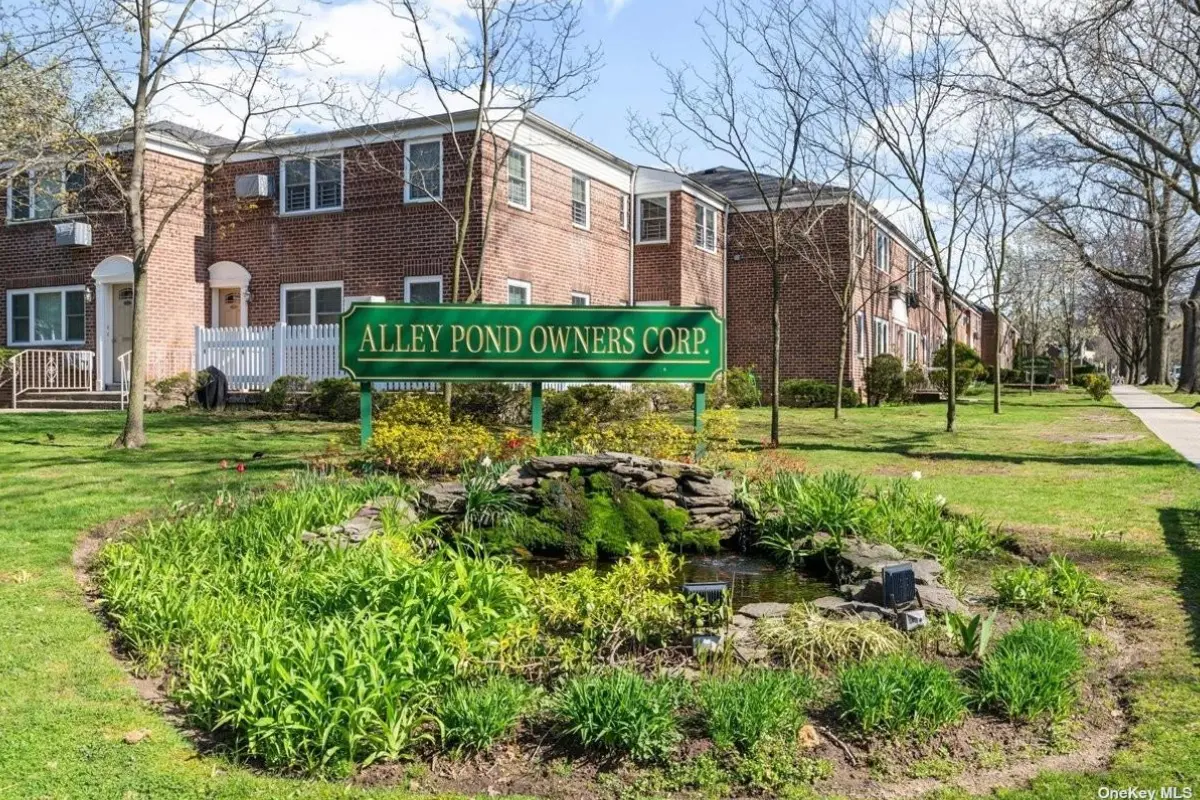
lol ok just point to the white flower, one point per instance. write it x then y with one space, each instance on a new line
485 462
940 500
916 476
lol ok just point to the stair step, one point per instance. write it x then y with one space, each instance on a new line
48 394
42 404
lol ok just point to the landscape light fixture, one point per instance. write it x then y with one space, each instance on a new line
709 592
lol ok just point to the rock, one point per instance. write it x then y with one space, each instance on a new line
443 498
659 487
741 621
584 463
640 474
829 603
308 537
696 502
133 737
869 592
860 559
713 487
670 469
807 737
927 571
864 610
940 599
396 506
511 476
706 511
750 655
764 610
360 527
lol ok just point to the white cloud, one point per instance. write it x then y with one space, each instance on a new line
614 6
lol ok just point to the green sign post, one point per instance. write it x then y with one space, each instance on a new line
403 342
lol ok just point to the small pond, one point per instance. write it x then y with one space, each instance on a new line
753 579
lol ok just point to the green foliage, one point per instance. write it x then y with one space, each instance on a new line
1033 671
620 712
884 378
897 694
737 388
486 504
971 635
808 393
915 380
1057 585
308 656
808 639
179 388
742 710
968 366
775 768
580 408
492 403
476 716
415 435
284 393
1097 385
667 398
335 399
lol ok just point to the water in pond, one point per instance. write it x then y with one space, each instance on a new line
751 578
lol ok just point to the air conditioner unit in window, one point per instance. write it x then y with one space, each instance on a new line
249 186
73 234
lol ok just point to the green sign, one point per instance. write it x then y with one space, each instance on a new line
388 342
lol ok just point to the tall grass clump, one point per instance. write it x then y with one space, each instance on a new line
1058 585
621 713
307 656
1033 671
475 716
898 694
806 638
744 709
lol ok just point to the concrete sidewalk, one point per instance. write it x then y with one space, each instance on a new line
1178 426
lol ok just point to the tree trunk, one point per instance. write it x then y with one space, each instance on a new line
1156 355
841 371
999 342
951 359
1189 366
776 349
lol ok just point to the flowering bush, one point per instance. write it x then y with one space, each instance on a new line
1097 385
415 435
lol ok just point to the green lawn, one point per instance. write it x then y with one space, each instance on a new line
1057 468
1183 399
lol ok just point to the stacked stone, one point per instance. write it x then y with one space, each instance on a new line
363 525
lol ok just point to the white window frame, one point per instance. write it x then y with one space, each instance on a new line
860 334
587 201
526 285
413 280
912 345
653 303
528 178
623 212
883 251
36 290
311 158
885 326
31 176
312 288
710 215
587 298
666 228
408 145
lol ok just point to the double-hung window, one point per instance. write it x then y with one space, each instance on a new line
425 289
520 293
623 212
860 334
423 170
652 219
883 252
312 184
44 194
912 348
311 303
581 299
881 337
518 178
912 276
581 190
706 228
46 316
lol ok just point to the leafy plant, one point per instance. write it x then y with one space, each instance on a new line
810 393
897 694
738 387
1057 585
972 635
620 712
807 638
415 435
334 399
486 503
474 716
1097 385
1033 671
743 709
884 379
284 393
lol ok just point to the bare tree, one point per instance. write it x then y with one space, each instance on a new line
1029 293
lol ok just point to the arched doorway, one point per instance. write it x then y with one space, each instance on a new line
114 317
229 283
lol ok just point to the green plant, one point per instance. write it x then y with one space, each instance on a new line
971 635
1097 385
900 693
807 638
915 380
884 378
475 716
1033 671
737 387
586 406
492 403
415 435
808 393
620 712
486 504
743 709
334 399
284 393
1057 585
968 366
180 388
667 398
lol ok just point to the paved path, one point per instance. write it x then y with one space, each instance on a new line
1178 426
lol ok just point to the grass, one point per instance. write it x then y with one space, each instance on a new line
620 712
1125 510
898 694
1058 584
474 717
1168 391
742 710
1033 670
806 638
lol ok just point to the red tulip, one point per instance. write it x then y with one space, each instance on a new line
241 467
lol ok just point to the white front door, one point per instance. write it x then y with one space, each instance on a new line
122 326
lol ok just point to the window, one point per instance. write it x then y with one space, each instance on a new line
881 337
423 171
519 293
312 184
706 228
46 316
518 179
652 219
912 276
925 356
624 212
45 194
311 303
883 252
860 334
426 289
581 190
912 351
581 299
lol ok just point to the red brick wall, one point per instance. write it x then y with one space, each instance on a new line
677 271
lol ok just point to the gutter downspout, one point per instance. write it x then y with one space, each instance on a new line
629 220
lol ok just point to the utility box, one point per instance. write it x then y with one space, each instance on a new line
899 585
247 187
73 234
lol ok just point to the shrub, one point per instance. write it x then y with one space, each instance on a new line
738 387
620 712
807 638
653 435
589 405
335 399
491 403
744 709
915 381
180 387
1097 385
895 694
476 716
968 366
806 393
1032 671
284 393
719 431
884 378
664 397
416 436
1057 585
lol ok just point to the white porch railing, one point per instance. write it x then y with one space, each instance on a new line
59 370
123 361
